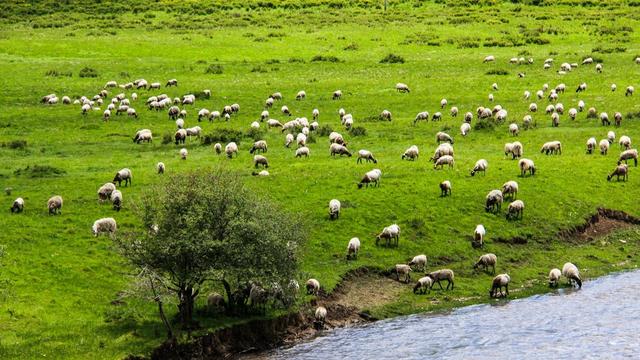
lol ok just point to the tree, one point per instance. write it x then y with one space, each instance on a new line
207 226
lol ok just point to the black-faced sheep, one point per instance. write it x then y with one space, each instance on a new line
17 206
143 135
445 188
259 145
499 282
620 170
403 88
180 136
591 145
303 151
122 175
389 233
515 209
480 166
54 204
116 199
339 150
411 153
313 287
353 248
493 201
554 277
419 262
628 155
444 160
510 188
442 137
371 177
320 317
572 274
334 209
404 271
104 192
367 156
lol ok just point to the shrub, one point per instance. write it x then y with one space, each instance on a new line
167 139
56 73
215 69
324 130
488 124
259 69
358 131
497 72
352 46
296 60
272 61
88 72
392 59
322 58
39 171
222 135
255 134
15 144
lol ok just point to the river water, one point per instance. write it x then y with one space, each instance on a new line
600 321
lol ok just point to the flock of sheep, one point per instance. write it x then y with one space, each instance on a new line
297 130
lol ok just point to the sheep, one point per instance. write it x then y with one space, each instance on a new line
366 155
261 173
339 149
629 91
143 135
499 282
527 94
494 201
389 233
285 110
444 274
551 148
66 100
581 106
444 160
445 188
441 150
218 148
485 261
301 95
259 160
555 120
629 154
581 87
385 115
527 122
526 165
559 108
160 167
591 145
617 118
491 97
515 210
510 188
478 235
302 151
625 142
230 149
17 206
334 209
341 113
405 271
604 146
188 99
259 145
443 103
276 96
337 95
104 225
183 153
572 274
419 261
313 287
620 170
554 277
315 113
320 316
454 111
352 248
539 94
54 204
515 149
513 129
604 118
442 137
85 109
123 175
336 138
573 113
489 58
465 128
274 123
173 112
533 107
172 82
104 192
550 109
372 176
468 116
480 166
193 131
611 137
180 136
411 153
288 140
403 88
268 103
116 199
424 283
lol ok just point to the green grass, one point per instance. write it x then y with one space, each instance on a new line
57 282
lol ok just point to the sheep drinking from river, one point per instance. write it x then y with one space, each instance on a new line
554 277
570 271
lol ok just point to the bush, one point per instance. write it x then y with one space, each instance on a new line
39 171
15 144
259 69
488 124
322 58
358 131
497 72
392 59
88 72
56 73
352 46
223 136
255 134
324 130
296 60
214 69
167 139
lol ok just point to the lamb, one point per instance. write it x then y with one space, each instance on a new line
54 204
143 135
526 165
301 95
366 155
404 270
620 170
288 140
259 145
629 154
465 128
551 148
625 142
480 166
442 137
339 149
515 209
554 277
372 176
444 160
183 153
403 88
334 209
510 188
17 206
419 261
302 151
104 192
230 149
337 95
499 282
389 233
629 91
385 115
440 275
617 117
320 316
604 146
423 284
123 175
445 188
352 248
485 261
313 287
411 153
116 199
180 136
572 274
494 201
478 236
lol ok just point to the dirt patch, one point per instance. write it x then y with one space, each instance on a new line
603 222
363 289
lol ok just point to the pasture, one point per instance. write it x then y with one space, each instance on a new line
59 285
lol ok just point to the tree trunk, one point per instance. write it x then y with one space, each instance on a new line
186 306
227 289
164 319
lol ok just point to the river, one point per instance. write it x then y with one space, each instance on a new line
599 321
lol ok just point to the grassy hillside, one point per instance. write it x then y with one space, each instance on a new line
57 282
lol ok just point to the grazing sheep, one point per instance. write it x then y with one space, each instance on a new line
85 109
572 274
334 209
510 188
183 153
214 115
494 201
550 109
440 275
366 155
301 139
160 167
259 160
468 117
491 97
419 261
193 131
555 120
313 287
604 118
54 204
581 106
620 170
230 149
539 94
554 277
17 206
527 95
443 103
116 199
582 87
303 151
527 122
301 95
104 225
423 284
628 155
454 111
288 140
499 282
604 146
411 153
274 123
123 175
489 58
259 145
336 138
533 107
444 160
389 233
143 135
526 165
515 210
573 113
180 136
269 102
478 235
372 176
261 173
337 95
218 148
110 84
403 88
441 150
339 149
276 96
445 188
405 271
617 117
629 91
315 113
480 166
172 82
559 108
485 261
611 137
551 148
385 115
625 142
320 316
174 112
514 148
442 137
465 128
106 115
104 192
205 113
591 145
352 248
180 123
285 110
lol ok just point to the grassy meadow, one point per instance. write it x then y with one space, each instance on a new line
59 284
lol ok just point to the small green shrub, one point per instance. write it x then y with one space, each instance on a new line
259 69
167 139
215 69
223 136
56 73
497 72
296 60
358 131
255 134
88 72
322 58
39 171
351 47
15 144
392 59
324 130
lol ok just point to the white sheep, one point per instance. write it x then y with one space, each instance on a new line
443 274
465 128
339 150
385 115
554 277
301 139
183 153
419 261
479 233
123 175
230 149
533 107
54 204
551 148
160 167
611 137
301 95
404 271
353 248
629 91
445 188
337 95
288 140
17 206
443 103
454 111
481 166
527 94
320 316
302 151
334 209
218 148
367 156
628 155
274 123
510 188
442 137
400 87
489 58
515 209
285 110
572 274
104 225
591 145
441 150
411 153
259 160
104 192
614 87
604 146
498 283
388 234
116 199
527 122
494 200
513 129
423 284
526 165
485 261
315 114
625 142
313 287
260 145
372 176
444 160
